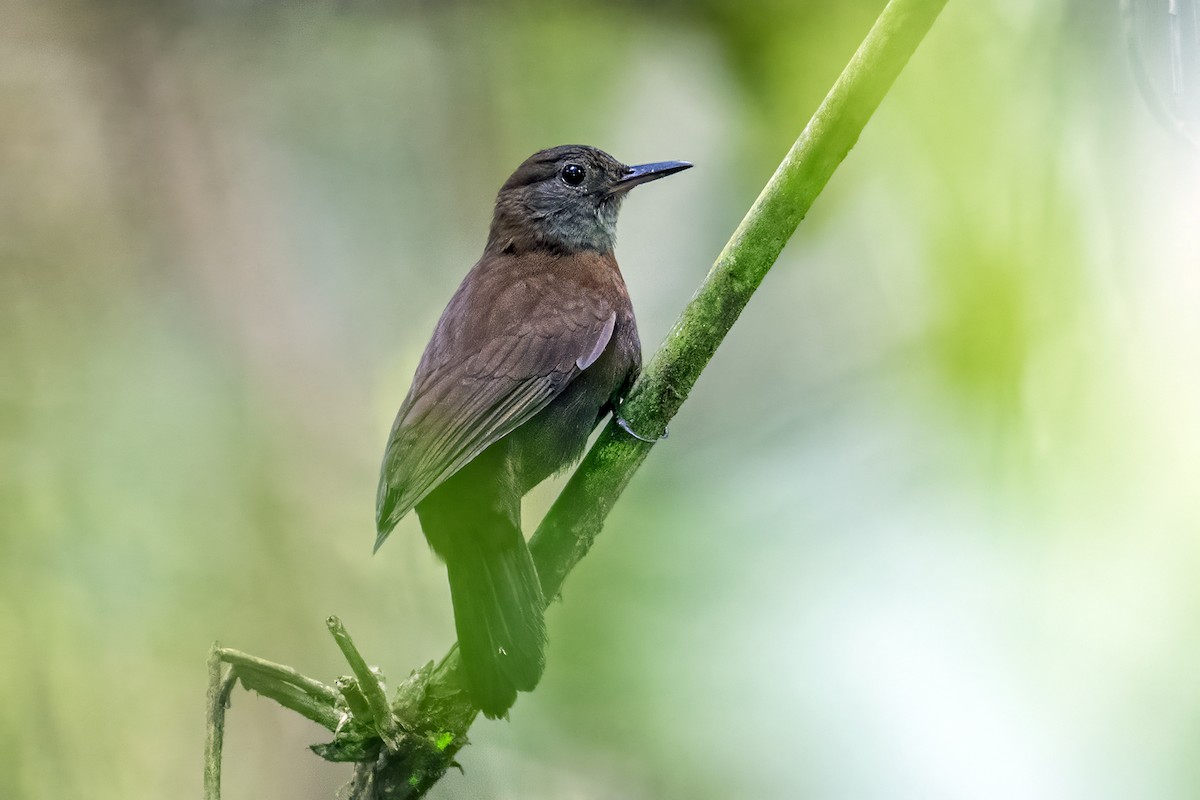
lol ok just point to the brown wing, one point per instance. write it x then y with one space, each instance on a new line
496 360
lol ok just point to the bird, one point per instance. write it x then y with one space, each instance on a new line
535 348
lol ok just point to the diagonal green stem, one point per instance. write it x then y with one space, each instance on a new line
578 514
571 525
432 702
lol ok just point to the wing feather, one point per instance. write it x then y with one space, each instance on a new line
465 399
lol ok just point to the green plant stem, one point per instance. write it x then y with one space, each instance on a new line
384 720
220 684
313 688
572 523
283 684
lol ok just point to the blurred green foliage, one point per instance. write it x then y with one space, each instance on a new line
927 527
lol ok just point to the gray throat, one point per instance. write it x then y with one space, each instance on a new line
529 223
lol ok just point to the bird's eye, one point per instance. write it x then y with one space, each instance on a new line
573 174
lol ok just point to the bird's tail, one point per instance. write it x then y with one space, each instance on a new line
498 612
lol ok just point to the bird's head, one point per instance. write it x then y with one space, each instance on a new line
566 199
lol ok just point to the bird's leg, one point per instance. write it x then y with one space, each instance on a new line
625 426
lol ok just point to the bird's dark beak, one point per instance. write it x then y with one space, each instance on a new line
644 173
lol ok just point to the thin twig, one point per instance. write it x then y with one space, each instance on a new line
283 684
370 686
313 688
220 685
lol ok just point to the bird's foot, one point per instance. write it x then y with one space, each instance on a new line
625 426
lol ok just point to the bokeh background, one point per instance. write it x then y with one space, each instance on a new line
927 528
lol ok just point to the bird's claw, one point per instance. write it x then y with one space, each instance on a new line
625 426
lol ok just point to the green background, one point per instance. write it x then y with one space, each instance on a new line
927 527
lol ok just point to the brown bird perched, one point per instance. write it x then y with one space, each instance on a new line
538 344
